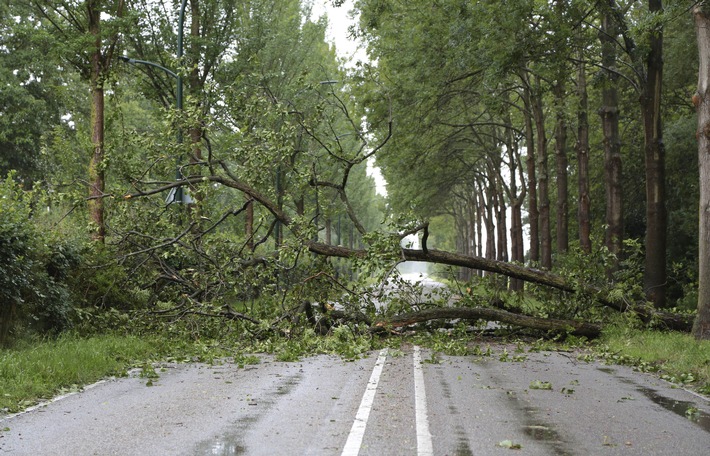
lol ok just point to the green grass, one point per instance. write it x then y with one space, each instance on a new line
35 370
678 357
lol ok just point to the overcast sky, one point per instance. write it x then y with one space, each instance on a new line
338 22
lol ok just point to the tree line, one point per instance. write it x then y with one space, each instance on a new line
207 148
562 118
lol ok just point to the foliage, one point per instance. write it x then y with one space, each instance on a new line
274 139
34 265
33 92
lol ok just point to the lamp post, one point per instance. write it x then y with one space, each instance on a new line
177 194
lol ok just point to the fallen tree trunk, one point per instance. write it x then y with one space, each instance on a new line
668 320
576 328
647 313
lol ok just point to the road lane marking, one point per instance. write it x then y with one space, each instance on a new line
357 432
424 445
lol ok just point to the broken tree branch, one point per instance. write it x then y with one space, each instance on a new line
574 327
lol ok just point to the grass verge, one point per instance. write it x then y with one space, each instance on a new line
36 370
677 357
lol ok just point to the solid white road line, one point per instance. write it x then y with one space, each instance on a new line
357 432
424 445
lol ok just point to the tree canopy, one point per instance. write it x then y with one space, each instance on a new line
200 152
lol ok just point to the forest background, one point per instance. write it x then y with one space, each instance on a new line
201 164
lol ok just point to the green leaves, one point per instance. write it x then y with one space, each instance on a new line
540 385
510 445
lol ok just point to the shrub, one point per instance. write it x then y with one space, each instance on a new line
33 266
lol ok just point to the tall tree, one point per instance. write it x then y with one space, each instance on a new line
92 43
543 175
701 99
655 276
533 211
562 44
582 148
609 112
30 103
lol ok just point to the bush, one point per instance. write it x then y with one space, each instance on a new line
33 266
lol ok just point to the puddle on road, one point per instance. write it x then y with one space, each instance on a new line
686 409
683 408
540 431
232 442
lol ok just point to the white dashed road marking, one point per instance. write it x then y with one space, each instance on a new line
424 445
357 432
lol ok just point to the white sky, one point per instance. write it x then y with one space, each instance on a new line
338 22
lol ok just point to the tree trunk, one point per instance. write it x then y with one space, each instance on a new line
573 327
656 218
249 225
561 162
197 88
701 12
584 205
97 182
679 322
470 216
516 202
609 112
542 182
502 227
488 221
478 246
196 85
533 213
328 231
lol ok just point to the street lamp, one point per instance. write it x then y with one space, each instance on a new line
177 194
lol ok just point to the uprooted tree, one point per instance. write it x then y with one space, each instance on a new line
270 147
282 206
316 163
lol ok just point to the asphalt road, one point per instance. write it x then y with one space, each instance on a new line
387 404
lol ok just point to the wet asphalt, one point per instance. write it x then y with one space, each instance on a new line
542 403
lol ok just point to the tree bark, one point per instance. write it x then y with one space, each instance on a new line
97 180
249 224
561 162
701 13
501 219
582 146
197 87
609 112
516 203
543 182
576 328
533 213
678 322
656 217
488 220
